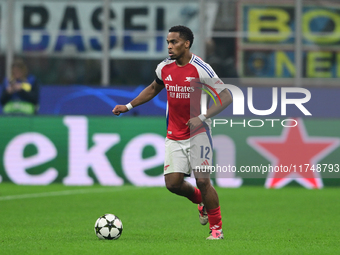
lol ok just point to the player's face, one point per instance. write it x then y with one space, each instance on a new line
177 46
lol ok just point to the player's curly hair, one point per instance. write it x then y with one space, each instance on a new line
184 32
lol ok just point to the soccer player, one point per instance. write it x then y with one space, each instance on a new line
188 143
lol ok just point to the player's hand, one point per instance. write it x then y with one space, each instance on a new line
119 109
14 87
18 86
194 123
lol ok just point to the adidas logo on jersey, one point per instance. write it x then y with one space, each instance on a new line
168 78
205 163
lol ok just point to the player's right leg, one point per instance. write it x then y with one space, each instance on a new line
175 183
202 213
176 167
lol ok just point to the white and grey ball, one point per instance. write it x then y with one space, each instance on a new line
109 227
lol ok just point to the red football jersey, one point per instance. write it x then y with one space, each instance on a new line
185 98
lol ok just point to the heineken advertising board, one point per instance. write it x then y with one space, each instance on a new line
82 150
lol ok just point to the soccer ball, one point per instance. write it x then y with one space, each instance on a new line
109 227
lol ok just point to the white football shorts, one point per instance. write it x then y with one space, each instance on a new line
183 156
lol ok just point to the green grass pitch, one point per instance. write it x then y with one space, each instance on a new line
57 219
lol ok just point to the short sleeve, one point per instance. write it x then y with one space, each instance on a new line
159 72
209 77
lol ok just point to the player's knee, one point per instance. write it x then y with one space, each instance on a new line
174 182
173 187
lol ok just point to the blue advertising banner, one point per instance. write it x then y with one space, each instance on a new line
79 100
86 100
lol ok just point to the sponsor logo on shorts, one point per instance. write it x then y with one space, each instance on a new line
205 163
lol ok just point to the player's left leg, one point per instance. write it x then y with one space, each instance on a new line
201 154
211 203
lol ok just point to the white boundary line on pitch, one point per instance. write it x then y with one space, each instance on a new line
68 192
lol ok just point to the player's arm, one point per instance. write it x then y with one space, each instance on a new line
146 95
226 99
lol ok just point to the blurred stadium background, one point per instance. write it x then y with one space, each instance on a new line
91 55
